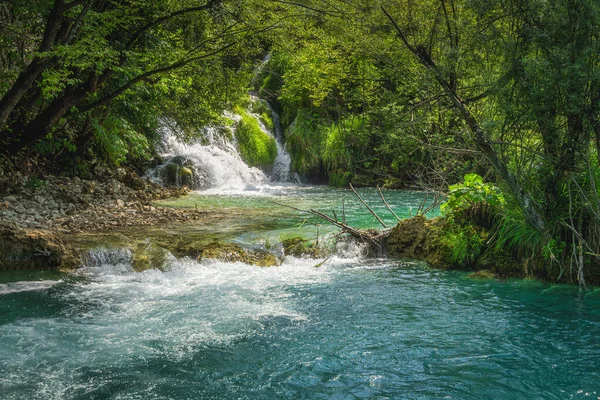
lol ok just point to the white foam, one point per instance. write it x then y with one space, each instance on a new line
26 286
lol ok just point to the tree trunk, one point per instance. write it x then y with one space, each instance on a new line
40 125
533 216
18 90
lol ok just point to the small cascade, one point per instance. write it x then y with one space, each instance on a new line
216 163
102 256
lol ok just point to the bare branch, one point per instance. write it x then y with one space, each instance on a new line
367 206
386 204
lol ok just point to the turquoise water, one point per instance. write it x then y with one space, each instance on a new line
350 329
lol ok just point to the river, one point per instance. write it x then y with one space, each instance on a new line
353 328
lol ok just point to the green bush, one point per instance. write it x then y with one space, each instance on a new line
471 192
304 141
466 244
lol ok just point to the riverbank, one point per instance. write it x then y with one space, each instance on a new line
37 215
71 205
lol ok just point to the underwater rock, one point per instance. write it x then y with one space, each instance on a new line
229 252
483 274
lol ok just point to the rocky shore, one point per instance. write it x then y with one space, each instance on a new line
36 215
71 205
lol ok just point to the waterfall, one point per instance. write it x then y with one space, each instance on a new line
215 163
281 171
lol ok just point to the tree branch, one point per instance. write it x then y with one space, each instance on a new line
178 64
149 25
481 141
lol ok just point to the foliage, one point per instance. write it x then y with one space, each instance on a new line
304 139
135 62
470 192
466 243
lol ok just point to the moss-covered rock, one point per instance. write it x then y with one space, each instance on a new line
257 148
426 239
299 247
457 245
229 252
149 256
33 249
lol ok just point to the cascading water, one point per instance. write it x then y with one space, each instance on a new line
217 164
213 165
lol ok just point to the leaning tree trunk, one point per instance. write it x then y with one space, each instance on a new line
41 124
533 216
28 77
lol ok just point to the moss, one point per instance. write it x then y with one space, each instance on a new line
299 247
427 239
256 147
261 108
229 252
267 121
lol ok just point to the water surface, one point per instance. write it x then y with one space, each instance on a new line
350 329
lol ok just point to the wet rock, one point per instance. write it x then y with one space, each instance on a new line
299 247
178 172
149 256
229 252
33 249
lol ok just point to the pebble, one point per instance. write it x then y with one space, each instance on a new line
83 205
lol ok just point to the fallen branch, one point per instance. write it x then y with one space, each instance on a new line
364 236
